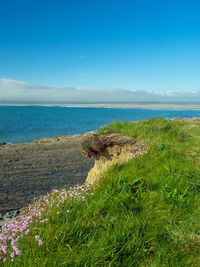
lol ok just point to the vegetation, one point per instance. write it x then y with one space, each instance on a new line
145 212
86 140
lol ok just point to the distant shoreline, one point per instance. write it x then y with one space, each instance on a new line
138 106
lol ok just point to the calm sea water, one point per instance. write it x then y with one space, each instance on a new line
20 124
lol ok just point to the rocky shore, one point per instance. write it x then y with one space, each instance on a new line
32 169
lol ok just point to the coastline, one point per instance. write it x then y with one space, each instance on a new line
137 106
117 105
28 170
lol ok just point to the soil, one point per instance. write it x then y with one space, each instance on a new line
107 150
32 169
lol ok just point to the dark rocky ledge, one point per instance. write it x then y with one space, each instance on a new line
32 169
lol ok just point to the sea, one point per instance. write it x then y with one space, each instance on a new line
21 124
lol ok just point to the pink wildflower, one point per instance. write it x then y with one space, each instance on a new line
3 249
37 237
27 232
40 242
12 255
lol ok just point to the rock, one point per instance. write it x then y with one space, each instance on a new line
23 180
11 214
2 143
8 215
15 213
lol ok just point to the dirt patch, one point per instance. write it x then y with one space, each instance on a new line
95 145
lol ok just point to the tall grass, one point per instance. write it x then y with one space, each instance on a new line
145 212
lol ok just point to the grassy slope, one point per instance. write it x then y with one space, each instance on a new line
143 213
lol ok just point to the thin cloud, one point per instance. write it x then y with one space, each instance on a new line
22 92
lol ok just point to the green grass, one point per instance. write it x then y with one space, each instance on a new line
86 143
145 212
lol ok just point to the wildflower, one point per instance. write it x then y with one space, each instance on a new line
3 249
40 242
27 232
17 251
10 233
37 237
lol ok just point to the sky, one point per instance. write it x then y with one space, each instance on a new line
142 45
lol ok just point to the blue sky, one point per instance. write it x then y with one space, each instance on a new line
139 45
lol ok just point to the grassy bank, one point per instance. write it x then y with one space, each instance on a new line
145 212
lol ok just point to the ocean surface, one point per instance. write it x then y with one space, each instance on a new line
21 124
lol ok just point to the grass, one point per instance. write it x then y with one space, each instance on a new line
85 144
145 212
